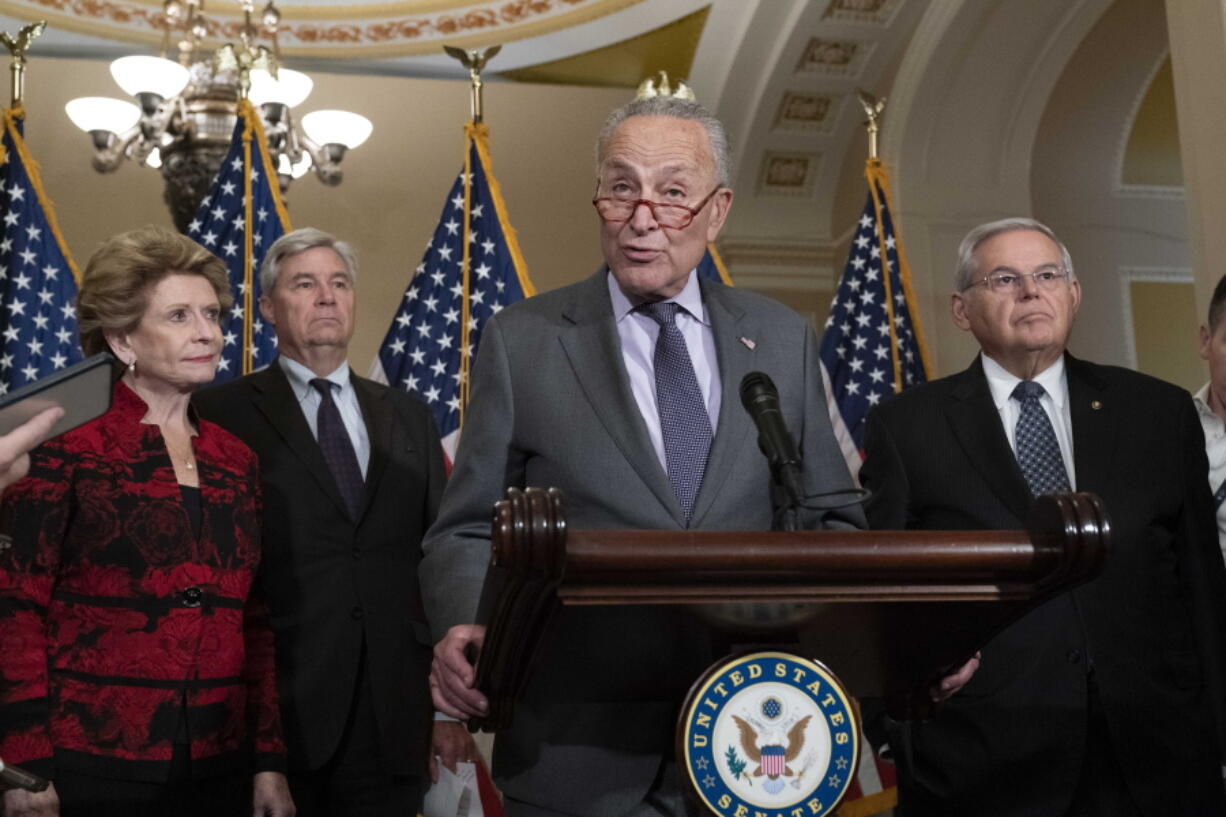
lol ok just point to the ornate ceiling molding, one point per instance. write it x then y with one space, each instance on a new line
338 28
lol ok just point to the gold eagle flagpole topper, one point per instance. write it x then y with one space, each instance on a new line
649 88
474 61
873 108
17 47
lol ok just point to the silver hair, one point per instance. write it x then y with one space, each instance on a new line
299 241
965 274
721 151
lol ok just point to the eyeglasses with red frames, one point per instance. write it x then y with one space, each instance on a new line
669 216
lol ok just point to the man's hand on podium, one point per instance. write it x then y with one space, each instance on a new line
453 672
945 688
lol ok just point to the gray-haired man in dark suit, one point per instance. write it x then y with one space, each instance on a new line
621 390
1101 702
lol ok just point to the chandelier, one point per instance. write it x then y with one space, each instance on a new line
186 110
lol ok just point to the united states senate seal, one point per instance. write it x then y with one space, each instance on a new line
769 734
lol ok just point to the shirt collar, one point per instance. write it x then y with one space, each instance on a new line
300 376
129 406
1207 415
1201 399
689 299
1002 382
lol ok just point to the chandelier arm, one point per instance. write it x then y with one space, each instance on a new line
110 149
295 142
326 160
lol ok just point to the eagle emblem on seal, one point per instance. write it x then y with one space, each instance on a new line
773 757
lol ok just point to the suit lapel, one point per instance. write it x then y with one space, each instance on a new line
728 325
594 351
976 424
1095 425
380 426
276 400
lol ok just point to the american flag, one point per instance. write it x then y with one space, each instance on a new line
238 220
471 269
38 279
712 266
874 788
872 346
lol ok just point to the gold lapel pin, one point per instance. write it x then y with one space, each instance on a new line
1096 404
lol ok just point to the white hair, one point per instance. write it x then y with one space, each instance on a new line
299 241
721 152
964 275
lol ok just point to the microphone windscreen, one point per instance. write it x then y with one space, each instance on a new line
756 386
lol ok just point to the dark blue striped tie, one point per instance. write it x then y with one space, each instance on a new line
684 422
1038 453
338 448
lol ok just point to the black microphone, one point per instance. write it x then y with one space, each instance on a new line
761 400
15 778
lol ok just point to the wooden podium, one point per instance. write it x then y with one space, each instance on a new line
888 611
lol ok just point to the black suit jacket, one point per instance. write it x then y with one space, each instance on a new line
1012 741
336 585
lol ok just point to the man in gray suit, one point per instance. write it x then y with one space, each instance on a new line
621 390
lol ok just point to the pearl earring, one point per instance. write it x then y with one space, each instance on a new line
132 367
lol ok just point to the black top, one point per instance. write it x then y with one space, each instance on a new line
191 501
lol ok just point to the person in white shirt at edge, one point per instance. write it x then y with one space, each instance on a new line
1211 403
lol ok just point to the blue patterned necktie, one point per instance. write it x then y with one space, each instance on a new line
684 422
1038 453
338 448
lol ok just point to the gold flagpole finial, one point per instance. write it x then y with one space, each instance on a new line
872 109
474 61
17 47
246 56
649 88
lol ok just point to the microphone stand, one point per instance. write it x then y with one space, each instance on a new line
787 495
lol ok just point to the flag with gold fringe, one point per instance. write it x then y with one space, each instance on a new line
471 269
238 220
712 266
38 279
872 345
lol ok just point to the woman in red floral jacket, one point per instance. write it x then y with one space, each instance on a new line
136 669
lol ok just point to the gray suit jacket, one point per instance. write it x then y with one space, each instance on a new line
552 406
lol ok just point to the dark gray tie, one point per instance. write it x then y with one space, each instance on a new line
1038 453
338 448
684 422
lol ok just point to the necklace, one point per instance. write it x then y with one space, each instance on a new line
188 458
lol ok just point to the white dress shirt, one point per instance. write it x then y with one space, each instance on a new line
1054 402
638 333
1215 449
343 394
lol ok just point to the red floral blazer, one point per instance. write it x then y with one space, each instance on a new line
115 618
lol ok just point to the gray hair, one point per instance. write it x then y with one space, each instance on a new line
299 241
721 152
965 274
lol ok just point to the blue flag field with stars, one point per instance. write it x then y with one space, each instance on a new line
222 225
38 279
872 346
712 266
423 352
